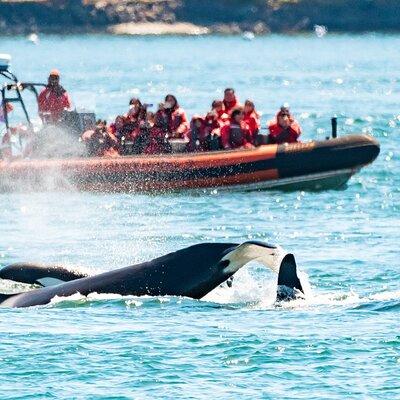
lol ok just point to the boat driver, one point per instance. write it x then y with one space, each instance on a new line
53 100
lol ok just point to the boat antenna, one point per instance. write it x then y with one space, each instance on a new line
334 126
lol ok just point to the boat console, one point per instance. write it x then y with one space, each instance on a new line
5 61
74 121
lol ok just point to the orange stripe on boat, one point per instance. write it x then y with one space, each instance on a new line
146 163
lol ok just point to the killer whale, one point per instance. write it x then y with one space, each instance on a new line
191 272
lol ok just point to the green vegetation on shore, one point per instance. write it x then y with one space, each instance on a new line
223 16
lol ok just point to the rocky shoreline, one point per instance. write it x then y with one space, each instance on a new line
144 17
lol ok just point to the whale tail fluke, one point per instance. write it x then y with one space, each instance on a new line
289 285
274 258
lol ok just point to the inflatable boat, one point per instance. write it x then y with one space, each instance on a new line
314 165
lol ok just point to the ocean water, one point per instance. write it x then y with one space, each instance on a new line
342 341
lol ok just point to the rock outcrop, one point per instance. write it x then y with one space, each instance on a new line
222 16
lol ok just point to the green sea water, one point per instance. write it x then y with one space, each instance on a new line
342 341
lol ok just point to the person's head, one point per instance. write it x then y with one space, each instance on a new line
150 117
229 95
119 122
160 119
170 102
285 109
135 105
283 117
217 105
9 107
54 78
248 106
197 121
237 116
102 124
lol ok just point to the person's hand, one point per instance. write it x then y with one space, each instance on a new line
87 135
285 124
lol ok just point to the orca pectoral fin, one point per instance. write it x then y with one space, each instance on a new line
289 285
4 296
39 274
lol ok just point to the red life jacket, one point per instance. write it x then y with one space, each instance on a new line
252 119
234 136
54 103
231 105
214 123
178 124
278 135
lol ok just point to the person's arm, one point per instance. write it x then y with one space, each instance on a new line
258 122
225 130
284 135
248 138
41 101
183 127
66 101
295 127
272 127
87 135
112 139
43 106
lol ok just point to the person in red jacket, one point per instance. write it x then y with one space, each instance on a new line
53 99
158 134
137 111
16 143
284 129
216 118
101 141
236 134
7 107
218 108
230 101
198 134
252 119
178 125
120 128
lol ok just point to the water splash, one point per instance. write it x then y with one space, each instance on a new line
320 30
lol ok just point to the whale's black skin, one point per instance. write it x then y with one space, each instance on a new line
289 285
191 272
39 274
